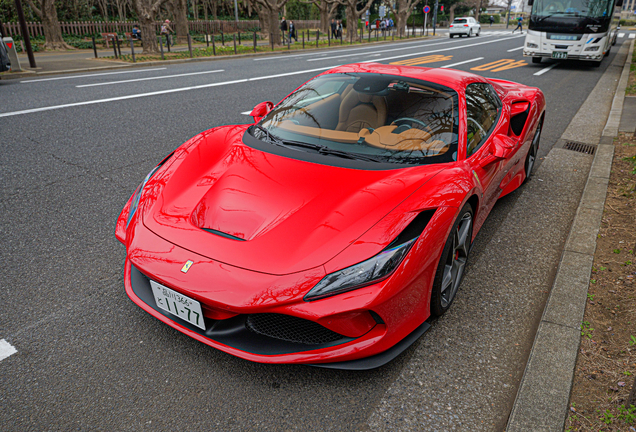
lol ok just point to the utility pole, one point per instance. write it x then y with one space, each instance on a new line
508 15
435 16
236 12
25 33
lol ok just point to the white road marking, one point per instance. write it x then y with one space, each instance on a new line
383 51
542 71
134 96
462 62
442 49
176 90
632 35
367 48
149 78
246 113
91 75
515 49
621 35
6 349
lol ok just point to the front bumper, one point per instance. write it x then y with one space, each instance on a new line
597 57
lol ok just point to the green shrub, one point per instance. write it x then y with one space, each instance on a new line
485 18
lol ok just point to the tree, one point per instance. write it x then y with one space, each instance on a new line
353 14
52 30
405 8
180 11
326 9
146 11
268 14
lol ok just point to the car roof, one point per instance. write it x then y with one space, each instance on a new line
455 79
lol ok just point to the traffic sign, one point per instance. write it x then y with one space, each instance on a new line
427 9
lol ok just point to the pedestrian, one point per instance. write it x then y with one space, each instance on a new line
491 19
283 26
292 31
519 24
334 27
166 30
136 33
339 30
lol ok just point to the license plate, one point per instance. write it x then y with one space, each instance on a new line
561 55
177 304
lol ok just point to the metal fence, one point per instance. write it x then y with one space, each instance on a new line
94 28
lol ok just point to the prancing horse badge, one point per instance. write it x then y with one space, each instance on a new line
186 266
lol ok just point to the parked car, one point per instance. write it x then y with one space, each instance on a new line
332 228
464 26
5 63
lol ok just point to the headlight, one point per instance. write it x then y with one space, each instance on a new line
137 195
532 45
365 273
594 48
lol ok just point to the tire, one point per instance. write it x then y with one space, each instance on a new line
470 33
478 32
614 40
532 152
451 35
452 264
609 48
536 60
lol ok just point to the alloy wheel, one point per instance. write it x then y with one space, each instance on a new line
456 260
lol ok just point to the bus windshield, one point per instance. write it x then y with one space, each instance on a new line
572 8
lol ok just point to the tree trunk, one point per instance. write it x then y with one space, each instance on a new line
103 7
352 21
146 12
401 19
451 15
273 26
323 12
51 25
180 8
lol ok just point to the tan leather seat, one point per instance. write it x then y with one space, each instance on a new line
359 111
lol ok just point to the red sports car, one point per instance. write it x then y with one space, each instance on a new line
332 228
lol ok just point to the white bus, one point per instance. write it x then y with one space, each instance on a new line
572 29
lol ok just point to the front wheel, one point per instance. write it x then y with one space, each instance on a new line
452 264
470 33
451 35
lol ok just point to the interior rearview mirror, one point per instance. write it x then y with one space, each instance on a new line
261 110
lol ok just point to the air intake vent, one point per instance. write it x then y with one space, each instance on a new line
291 329
579 147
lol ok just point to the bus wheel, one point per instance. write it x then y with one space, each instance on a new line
536 59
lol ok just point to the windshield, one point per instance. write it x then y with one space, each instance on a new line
572 8
365 116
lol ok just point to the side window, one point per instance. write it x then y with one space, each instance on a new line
482 113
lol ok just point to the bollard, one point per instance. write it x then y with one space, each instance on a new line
12 52
115 48
132 49
207 40
190 44
303 35
161 46
213 44
254 41
271 40
168 42
94 46
118 45
317 38
239 33
234 39
328 38
222 38
369 35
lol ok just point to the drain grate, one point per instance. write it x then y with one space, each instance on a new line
579 147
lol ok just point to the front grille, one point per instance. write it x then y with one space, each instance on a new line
291 329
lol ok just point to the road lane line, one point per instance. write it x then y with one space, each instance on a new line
382 51
542 71
6 349
515 49
91 75
442 49
367 48
462 62
161 92
632 35
620 35
149 78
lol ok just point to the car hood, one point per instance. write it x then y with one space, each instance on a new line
268 213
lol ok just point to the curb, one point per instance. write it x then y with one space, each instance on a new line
544 393
32 74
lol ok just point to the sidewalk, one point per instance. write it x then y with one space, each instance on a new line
543 396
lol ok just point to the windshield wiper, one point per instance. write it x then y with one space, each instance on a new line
272 138
327 151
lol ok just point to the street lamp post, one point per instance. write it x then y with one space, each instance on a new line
435 16
25 33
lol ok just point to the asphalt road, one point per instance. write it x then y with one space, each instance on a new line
74 148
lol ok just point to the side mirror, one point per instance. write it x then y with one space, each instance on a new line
261 110
502 144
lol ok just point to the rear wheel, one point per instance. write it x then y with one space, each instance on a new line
536 59
533 151
451 35
452 264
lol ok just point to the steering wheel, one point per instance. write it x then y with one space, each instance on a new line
407 121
